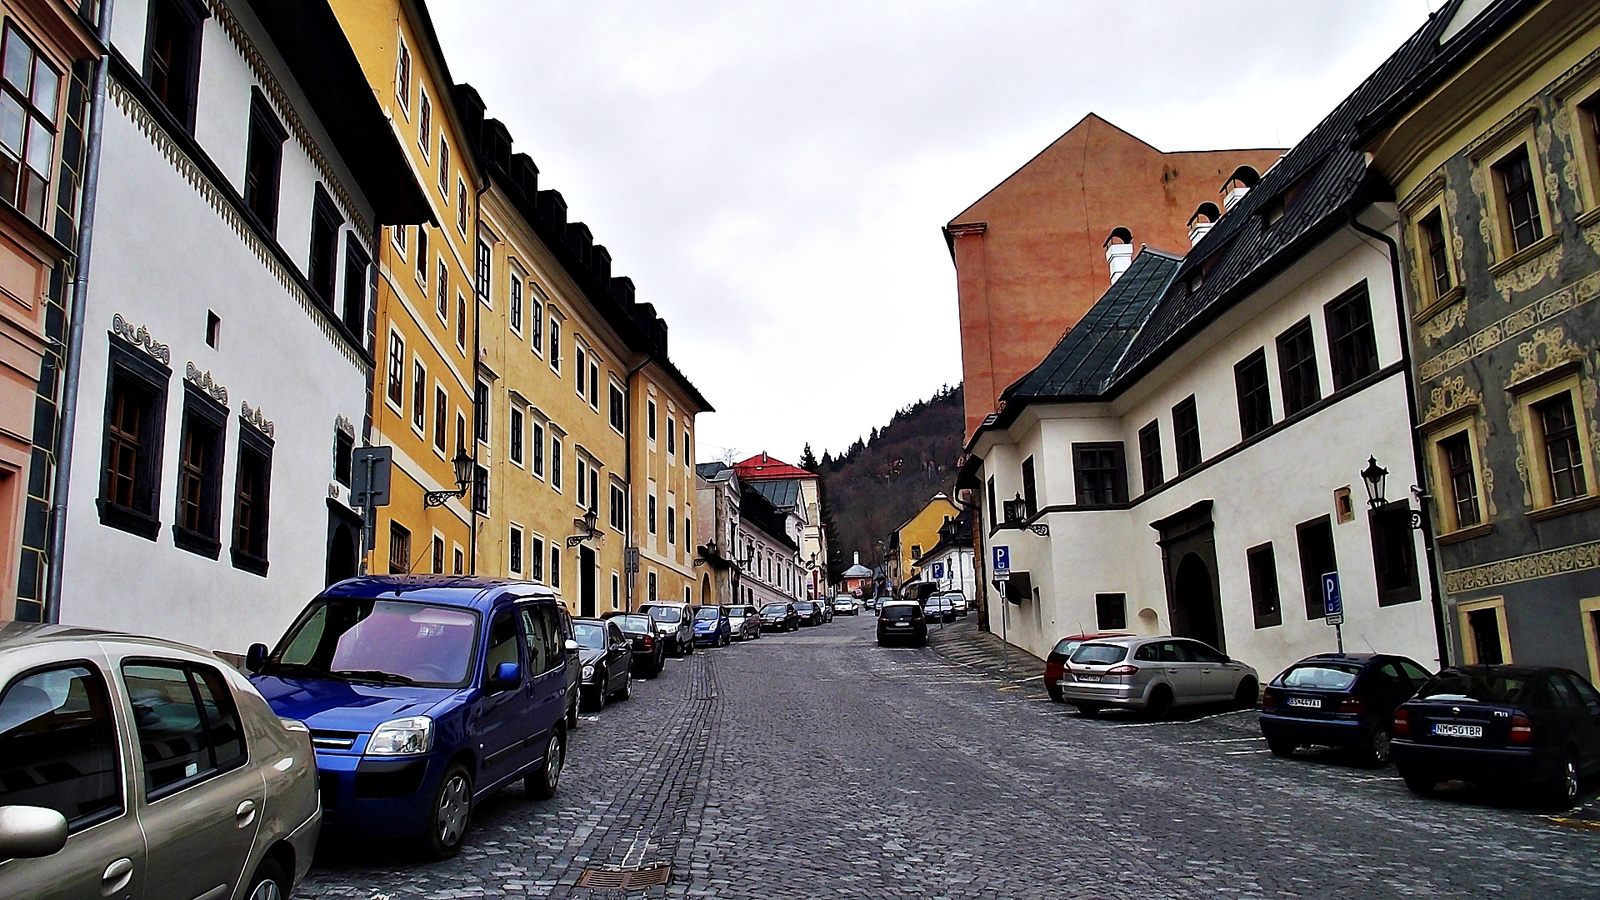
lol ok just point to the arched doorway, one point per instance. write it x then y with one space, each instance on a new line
1194 607
341 553
705 590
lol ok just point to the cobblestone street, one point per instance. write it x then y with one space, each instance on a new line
820 765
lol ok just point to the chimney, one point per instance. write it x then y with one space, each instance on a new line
858 557
1201 222
622 290
1238 184
1119 251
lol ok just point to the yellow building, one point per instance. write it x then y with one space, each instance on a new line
919 533
426 323
663 405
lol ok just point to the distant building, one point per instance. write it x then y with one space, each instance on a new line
762 469
916 535
857 580
717 529
949 564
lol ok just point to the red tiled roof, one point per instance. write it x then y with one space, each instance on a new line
762 467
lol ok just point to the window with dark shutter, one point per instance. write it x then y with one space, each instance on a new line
1350 338
1297 364
1264 586
1315 540
1394 553
251 500
1255 401
263 161
135 417
325 224
356 266
1186 434
1101 479
1150 456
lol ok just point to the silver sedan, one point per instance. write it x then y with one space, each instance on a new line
1154 674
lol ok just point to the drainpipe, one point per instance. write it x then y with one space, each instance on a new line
627 474
67 410
1403 320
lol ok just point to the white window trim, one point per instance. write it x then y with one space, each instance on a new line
417 364
425 141
512 413
516 534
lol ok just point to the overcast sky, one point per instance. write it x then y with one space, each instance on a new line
773 176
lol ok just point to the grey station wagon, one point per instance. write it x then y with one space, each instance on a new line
1154 674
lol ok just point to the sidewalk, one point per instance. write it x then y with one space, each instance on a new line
962 643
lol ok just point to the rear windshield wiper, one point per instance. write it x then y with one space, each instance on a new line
373 675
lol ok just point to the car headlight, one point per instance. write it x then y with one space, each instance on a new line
399 737
588 671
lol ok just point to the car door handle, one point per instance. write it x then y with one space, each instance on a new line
245 813
116 876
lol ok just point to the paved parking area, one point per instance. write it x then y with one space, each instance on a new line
817 764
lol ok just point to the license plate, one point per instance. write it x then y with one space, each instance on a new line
1443 729
1087 677
1307 702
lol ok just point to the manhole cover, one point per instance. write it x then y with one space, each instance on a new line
625 879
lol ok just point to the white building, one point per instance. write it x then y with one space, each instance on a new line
768 551
1188 459
949 564
245 170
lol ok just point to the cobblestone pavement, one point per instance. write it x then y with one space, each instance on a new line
820 765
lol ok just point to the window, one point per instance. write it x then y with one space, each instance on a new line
619 508
555 461
516 303
1315 540
536 558
1518 192
1255 401
419 396
651 582
538 450
1563 452
481 272
594 489
916 551
461 206
650 514
1394 553
198 513
1297 365
1150 455
1483 632
444 167
594 384
402 79
672 445
555 565
480 490
1264 586
325 224
555 345
672 526
1186 434
355 288
1460 481
615 401
397 369
688 455
1436 252
344 446
480 413
1350 339
993 519
263 161
424 123
213 330
251 501
616 591
399 235
515 450
1102 480
1030 490
441 417
438 555
1111 611
441 291
58 746
459 564
461 321
581 370
461 432
650 419
582 493
172 56
135 417
27 141
187 726
422 255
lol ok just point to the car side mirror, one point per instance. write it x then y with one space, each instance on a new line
1226 659
31 831
571 646
507 674
255 659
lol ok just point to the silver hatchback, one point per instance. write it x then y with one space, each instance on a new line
1154 674
139 768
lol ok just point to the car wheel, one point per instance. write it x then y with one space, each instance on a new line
627 686
269 882
541 785
1377 749
1562 792
1054 691
1421 785
452 811
1160 705
596 700
1087 710
572 712
1246 696
1280 747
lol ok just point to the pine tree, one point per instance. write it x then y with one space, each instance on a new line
808 460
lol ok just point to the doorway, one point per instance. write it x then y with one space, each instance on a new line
705 590
586 574
1194 606
1189 555
343 560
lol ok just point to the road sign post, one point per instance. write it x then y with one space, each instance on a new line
1333 606
1001 570
370 472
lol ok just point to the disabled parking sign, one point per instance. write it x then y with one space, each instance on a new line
1002 562
1332 602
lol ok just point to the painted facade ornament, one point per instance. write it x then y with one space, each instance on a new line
1527 276
343 426
252 416
1528 317
140 337
1445 321
204 381
1560 561
1453 395
1548 350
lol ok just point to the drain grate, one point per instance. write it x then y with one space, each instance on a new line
625 879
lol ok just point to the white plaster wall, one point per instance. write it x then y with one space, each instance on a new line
958 573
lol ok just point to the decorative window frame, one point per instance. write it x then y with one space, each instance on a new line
1518 132
1564 378
1587 607
1462 421
1424 202
1578 102
1469 648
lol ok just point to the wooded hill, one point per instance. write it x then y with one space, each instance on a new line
879 482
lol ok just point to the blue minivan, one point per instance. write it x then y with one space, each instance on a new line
424 694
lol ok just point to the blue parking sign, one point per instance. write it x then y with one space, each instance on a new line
1332 602
938 570
1002 560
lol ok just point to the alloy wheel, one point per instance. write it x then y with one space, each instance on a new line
453 805
266 890
1569 776
552 762
1378 753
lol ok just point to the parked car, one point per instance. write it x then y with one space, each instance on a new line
939 609
810 613
1527 725
744 623
673 624
649 649
902 620
711 627
846 606
607 657
780 617
1154 674
81 818
1055 663
424 694
959 601
1339 700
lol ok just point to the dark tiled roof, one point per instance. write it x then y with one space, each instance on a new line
755 510
711 471
783 495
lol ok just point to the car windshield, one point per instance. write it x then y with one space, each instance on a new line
1100 654
1321 676
1477 687
736 612
633 624
392 641
896 613
707 614
665 613
774 609
589 635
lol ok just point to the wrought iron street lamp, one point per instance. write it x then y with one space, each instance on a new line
1375 477
587 523
464 465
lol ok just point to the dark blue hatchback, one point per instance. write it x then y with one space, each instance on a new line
424 694
1339 700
